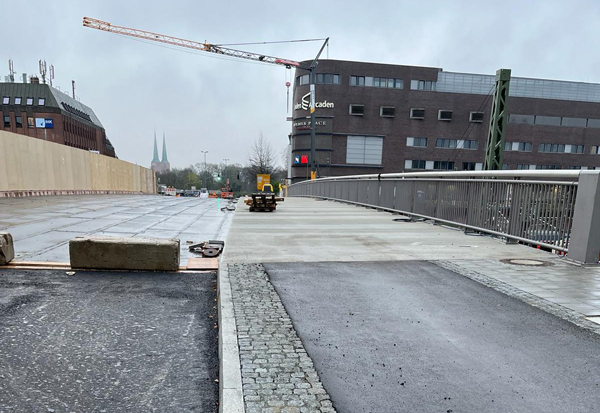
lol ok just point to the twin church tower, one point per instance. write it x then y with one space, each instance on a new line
160 166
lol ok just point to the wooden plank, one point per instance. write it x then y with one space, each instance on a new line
202 264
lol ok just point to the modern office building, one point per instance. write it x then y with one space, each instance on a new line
380 118
44 112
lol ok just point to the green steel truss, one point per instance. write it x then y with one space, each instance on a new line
495 142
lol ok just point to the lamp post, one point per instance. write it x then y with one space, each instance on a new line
204 152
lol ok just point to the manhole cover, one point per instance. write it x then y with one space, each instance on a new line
530 263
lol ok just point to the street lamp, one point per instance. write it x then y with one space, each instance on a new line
204 152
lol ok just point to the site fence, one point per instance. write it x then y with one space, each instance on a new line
534 207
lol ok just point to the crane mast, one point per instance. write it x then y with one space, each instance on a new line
190 44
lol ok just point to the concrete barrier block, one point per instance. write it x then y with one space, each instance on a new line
114 253
7 249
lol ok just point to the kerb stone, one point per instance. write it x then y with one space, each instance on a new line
114 253
7 249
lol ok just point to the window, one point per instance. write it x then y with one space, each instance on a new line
574 167
593 123
577 122
523 119
551 148
357 80
364 150
7 121
476 117
5 100
302 80
595 150
422 85
41 101
523 166
547 120
445 115
30 122
387 111
19 121
17 101
468 166
416 142
470 144
414 164
445 143
576 149
417 113
327 78
505 166
518 146
357 110
29 102
443 165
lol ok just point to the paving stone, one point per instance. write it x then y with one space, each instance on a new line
277 373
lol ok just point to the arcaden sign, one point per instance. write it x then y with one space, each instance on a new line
304 104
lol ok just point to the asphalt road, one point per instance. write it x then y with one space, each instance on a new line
412 337
107 342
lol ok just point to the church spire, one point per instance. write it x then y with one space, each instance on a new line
155 159
164 154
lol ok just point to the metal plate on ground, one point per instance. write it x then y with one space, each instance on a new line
527 263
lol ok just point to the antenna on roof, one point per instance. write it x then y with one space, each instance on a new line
11 71
51 74
43 70
73 86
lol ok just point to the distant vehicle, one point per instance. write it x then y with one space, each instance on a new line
204 193
162 189
191 193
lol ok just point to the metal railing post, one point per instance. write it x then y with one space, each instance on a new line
585 233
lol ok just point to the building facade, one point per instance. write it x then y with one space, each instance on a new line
44 112
158 165
378 118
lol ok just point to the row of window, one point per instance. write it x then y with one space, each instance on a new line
415 113
320 78
508 146
554 121
370 81
474 166
76 111
18 101
444 143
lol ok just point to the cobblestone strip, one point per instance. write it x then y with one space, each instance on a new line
555 309
277 373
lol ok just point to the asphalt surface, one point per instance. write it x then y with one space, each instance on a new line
107 342
412 337
42 226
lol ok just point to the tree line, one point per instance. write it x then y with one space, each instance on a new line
242 179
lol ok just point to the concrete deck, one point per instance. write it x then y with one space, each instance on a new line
42 226
307 230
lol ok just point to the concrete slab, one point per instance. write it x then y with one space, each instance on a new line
44 224
308 230
149 254
411 336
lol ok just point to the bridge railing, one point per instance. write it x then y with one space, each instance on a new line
556 209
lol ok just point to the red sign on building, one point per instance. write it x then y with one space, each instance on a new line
303 158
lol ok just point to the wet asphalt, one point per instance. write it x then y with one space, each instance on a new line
107 342
413 337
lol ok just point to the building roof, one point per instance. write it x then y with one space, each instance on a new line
54 98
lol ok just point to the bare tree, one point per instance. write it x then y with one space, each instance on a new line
261 157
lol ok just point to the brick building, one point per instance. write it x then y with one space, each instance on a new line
379 118
43 112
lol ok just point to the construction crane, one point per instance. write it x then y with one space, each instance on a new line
218 49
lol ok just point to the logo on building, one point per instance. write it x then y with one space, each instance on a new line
304 104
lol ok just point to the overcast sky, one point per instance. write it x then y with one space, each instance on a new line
206 103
